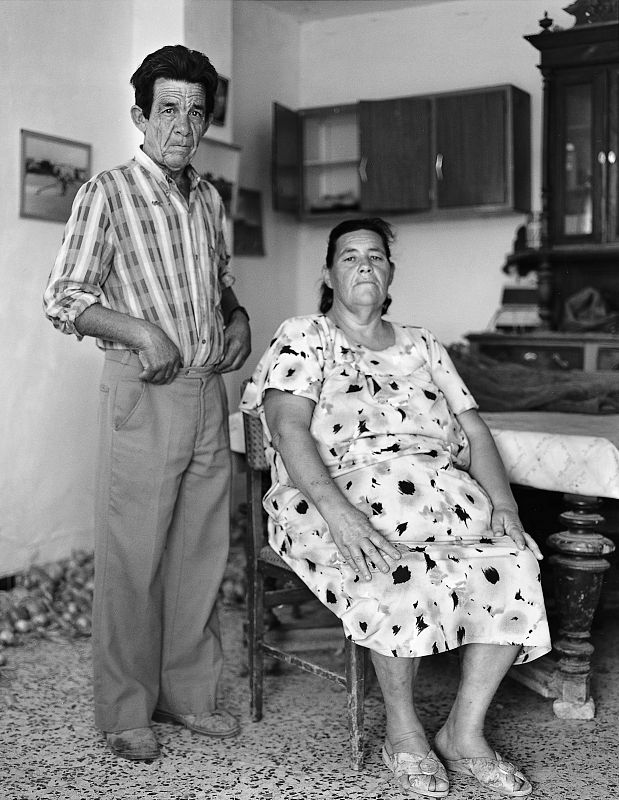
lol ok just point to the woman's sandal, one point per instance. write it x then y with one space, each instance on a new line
494 773
421 771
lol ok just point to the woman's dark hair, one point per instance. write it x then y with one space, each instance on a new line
376 224
178 63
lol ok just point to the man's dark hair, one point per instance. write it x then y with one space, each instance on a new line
174 62
376 224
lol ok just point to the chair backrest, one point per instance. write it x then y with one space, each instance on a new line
257 477
254 443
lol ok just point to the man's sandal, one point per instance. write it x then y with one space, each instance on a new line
493 773
421 771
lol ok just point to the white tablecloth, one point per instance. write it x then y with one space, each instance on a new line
575 453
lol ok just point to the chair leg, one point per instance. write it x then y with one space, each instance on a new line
355 691
256 634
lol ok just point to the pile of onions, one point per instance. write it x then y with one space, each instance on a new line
55 600
48 601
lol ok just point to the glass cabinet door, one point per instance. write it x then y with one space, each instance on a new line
578 155
613 156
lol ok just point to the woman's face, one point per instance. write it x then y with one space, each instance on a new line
361 272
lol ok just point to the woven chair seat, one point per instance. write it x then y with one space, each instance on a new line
270 556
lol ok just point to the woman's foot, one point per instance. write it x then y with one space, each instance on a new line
415 766
466 744
472 755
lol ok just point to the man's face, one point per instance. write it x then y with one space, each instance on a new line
176 124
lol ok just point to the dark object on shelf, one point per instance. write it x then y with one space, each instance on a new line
588 311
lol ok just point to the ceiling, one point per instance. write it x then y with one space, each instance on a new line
308 10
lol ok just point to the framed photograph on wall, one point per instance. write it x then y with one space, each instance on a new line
248 238
218 162
52 170
221 102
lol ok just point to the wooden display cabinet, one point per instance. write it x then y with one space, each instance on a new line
580 175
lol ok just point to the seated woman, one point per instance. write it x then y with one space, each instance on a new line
390 500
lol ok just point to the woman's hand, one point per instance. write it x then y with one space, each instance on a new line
505 521
360 544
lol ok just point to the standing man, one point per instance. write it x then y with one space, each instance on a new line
143 267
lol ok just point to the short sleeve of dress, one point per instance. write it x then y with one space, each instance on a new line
446 377
293 362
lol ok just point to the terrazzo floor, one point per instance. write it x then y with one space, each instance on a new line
299 751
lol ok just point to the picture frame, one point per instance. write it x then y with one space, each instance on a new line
52 171
221 102
248 232
218 162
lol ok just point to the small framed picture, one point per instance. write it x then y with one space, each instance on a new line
52 170
218 162
248 238
221 102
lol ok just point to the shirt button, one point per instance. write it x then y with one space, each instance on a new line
203 341
195 255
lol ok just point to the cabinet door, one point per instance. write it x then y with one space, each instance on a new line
330 175
471 136
286 159
577 157
395 148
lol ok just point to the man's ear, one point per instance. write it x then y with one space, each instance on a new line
138 118
207 124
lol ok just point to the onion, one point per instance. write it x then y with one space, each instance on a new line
7 637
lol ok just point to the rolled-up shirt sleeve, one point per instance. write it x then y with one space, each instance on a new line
83 261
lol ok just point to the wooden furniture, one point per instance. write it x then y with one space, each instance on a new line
589 352
578 455
430 153
580 147
263 564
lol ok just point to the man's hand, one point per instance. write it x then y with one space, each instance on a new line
237 343
159 356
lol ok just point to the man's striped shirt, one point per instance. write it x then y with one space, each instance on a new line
135 245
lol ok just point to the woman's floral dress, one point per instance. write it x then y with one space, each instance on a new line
385 426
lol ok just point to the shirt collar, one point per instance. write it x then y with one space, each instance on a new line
148 164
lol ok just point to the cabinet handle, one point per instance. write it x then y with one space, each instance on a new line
362 170
601 157
611 157
438 166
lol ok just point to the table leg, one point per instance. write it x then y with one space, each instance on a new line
578 567
578 572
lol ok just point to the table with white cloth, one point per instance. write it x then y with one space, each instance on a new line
578 456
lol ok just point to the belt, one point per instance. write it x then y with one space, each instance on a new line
129 357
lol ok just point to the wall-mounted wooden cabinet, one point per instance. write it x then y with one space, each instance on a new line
462 150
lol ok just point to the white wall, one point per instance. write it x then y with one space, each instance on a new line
448 271
66 73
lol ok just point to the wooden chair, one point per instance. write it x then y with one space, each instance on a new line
263 562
